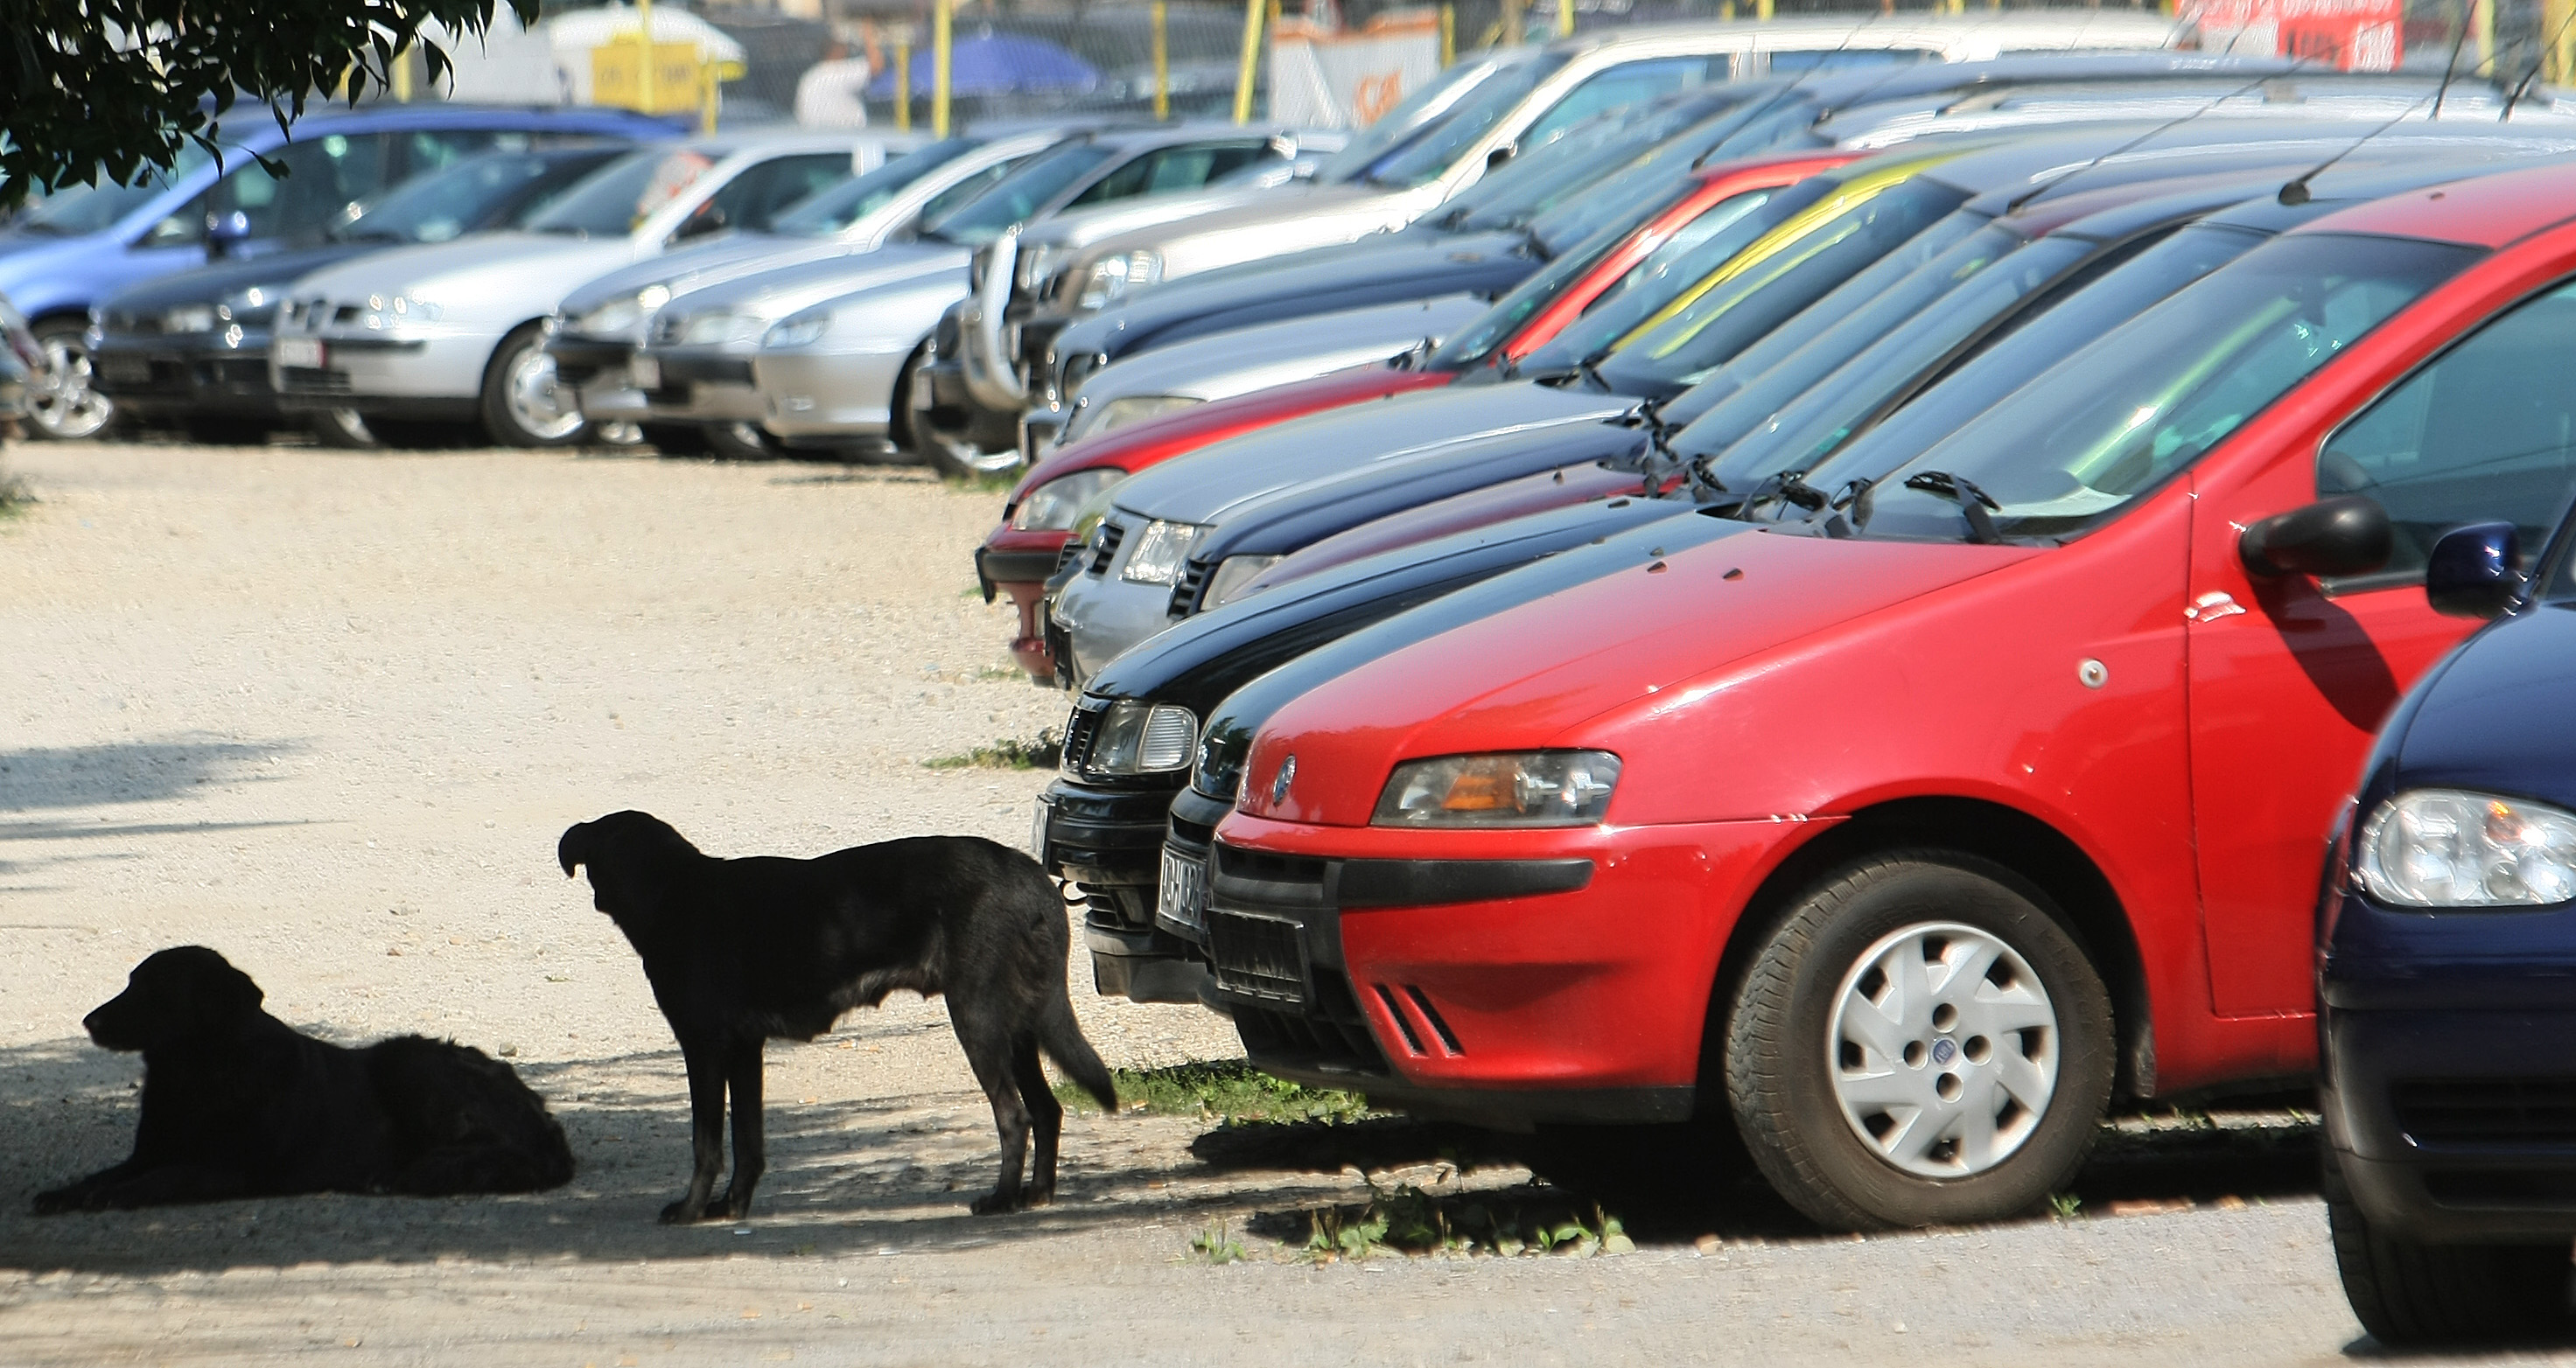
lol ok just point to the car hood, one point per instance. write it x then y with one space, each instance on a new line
1154 440
1076 227
701 264
1276 223
1240 360
1370 271
2485 720
206 284
519 275
1207 485
775 290
1653 635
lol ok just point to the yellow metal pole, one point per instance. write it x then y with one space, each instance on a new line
644 77
1762 10
1252 12
1726 11
1564 18
1515 20
2485 11
942 20
1162 66
2562 42
402 76
903 79
1449 33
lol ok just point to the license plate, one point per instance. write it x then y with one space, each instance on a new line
302 352
1037 832
646 372
1182 897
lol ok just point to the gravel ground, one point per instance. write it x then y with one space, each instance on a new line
328 713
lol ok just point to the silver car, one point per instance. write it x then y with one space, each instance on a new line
1521 100
426 341
828 376
597 331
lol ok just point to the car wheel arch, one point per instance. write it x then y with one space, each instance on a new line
2050 864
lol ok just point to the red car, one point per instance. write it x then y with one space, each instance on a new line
1918 831
1017 557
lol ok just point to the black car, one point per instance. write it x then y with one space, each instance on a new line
2447 947
192 349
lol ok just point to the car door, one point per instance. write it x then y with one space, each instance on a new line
2291 676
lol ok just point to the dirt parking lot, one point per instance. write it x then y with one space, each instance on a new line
329 712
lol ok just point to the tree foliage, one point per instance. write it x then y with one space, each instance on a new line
114 89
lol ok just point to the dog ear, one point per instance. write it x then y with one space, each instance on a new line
229 995
574 849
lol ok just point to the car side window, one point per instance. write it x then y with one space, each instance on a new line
754 198
324 177
938 206
435 149
1625 84
1171 168
2486 430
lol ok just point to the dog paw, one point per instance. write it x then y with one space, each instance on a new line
681 1213
997 1203
56 1202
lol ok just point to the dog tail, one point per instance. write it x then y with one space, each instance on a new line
1061 1037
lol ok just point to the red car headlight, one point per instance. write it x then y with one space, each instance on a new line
1524 789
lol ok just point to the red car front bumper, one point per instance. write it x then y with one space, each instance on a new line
1509 977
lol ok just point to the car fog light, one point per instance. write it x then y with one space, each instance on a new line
1529 789
2454 848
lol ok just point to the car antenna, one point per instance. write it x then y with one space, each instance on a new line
2523 86
2295 191
2451 68
1818 69
2168 126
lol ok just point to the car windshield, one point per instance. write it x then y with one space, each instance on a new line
1471 345
95 208
1748 298
1434 100
619 196
1655 283
833 209
1769 425
1019 195
2002 363
2081 443
459 199
1610 154
1430 154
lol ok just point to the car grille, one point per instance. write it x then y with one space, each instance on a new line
306 380
2487 1111
1185 595
947 338
1108 538
1079 732
1072 551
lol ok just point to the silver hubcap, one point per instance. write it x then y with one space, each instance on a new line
60 399
1943 1050
537 404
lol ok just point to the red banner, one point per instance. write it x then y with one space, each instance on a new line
2346 35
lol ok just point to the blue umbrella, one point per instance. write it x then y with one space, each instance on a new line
990 63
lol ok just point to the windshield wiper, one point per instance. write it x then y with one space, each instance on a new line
1536 246
1973 502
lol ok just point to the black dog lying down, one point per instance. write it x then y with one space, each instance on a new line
739 951
238 1104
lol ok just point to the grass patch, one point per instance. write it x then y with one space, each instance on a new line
1046 751
1530 1221
1231 1093
15 496
989 482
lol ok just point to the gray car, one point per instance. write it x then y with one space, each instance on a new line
425 341
828 375
596 332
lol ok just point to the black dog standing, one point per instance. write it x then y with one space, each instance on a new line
739 951
238 1104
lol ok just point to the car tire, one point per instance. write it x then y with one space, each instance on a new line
1920 1041
735 442
421 434
1668 1170
523 405
2409 1294
344 429
226 431
61 405
676 439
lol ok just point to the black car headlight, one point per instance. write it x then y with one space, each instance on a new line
2456 848
1141 738
1517 789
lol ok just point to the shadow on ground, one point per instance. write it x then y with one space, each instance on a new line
49 778
895 1174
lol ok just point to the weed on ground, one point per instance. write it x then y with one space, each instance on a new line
1045 751
1448 1220
14 494
1229 1092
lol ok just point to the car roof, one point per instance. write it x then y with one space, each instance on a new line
1866 32
2489 211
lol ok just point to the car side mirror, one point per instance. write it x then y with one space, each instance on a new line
225 234
2349 535
2472 572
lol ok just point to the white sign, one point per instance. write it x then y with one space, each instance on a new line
1346 80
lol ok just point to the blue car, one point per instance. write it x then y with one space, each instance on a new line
76 248
2447 971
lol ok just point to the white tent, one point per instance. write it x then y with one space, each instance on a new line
551 65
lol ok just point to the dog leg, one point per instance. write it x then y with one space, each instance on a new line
750 1149
990 1050
1046 1120
126 1187
706 1130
